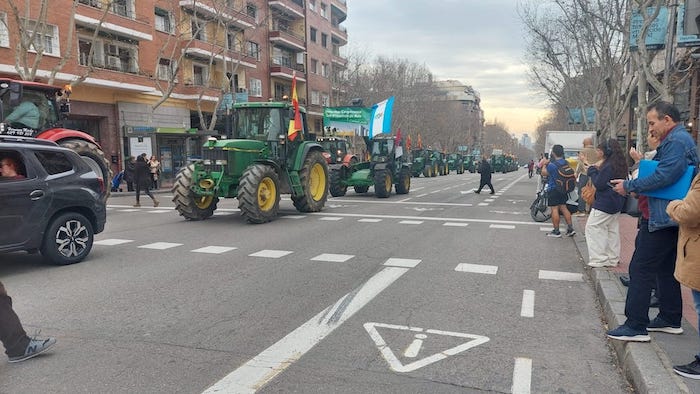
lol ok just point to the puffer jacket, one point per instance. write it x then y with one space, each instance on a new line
686 213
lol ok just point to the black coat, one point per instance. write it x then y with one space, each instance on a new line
129 169
485 170
142 175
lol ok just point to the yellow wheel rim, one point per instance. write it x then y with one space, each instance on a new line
387 182
317 182
267 192
203 202
406 183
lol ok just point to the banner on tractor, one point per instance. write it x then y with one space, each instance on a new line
381 117
347 120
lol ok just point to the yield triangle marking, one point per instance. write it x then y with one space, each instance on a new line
413 349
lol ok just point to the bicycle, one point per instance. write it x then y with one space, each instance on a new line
539 211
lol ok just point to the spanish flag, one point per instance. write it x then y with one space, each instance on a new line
294 124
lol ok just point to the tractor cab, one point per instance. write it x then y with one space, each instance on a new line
335 149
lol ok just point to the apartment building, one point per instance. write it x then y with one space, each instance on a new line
154 74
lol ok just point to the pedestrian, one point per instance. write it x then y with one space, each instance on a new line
154 168
603 226
556 198
530 168
686 213
485 171
129 175
142 181
589 154
654 257
18 346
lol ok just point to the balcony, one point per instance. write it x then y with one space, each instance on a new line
287 71
206 50
339 34
339 61
227 13
339 9
90 16
287 39
288 8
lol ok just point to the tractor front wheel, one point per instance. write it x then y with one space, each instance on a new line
259 194
382 183
404 184
189 204
336 188
314 181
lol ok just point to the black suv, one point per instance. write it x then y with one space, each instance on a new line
54 203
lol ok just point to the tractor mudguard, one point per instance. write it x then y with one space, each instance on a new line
307 147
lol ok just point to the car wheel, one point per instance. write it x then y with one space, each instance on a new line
68 239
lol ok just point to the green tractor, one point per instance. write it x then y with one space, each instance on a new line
382 171
470 163
258 164
455 162
440 160
422 163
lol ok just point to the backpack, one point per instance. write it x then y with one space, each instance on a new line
566 178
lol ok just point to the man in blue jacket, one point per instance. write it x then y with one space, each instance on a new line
654 257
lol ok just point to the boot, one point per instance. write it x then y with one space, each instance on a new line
156 203
137 205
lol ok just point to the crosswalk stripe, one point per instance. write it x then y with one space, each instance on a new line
333 258
273 254
112 241
477 268
160 245
214 249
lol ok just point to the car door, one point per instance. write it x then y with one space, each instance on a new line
23 203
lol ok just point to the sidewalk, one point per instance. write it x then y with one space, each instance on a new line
648 366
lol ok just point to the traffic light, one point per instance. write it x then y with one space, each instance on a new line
691 18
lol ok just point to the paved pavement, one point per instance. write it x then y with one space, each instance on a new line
648 366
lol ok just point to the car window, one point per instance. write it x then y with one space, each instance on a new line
12 166
54 162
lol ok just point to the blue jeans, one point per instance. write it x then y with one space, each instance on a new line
696 300
654 259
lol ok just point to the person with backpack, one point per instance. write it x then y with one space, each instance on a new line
561 182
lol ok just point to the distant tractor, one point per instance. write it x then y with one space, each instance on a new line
422 163
440 160
382 171
44 114
256 165
455 162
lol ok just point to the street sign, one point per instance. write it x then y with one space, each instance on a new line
416 345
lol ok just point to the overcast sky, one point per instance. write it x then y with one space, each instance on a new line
477 42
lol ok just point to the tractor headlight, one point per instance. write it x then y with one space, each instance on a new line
221 162
338 159
206 162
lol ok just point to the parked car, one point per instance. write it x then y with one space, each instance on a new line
55 206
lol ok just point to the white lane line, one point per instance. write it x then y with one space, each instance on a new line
214 249
264 367
421 195
272 254
398 262
546 229
160 211
446 204
489 200
367 220
295 217
527 308
427 218
435 191
405 199
477 268
522 376
160 245
411 222
128 210
455 224
112 241
333 258
331 218
556 275
505 226
483 204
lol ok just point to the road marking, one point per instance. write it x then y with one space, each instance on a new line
273 254
112 241
527 308
160 245
333 258
435 191
264 367
522 376
214 249
411 222
421 195
331 218
489 200
405 199
455 224
426 218
368 220
405 263
295 217
505 226
128 210
483 204
556 275
546 229
414 348
160 211
447 204
477 268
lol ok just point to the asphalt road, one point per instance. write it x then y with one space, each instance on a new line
441 290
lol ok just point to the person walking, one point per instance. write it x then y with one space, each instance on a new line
603 226
530 168
154 168
18 346
142 181
129 175
588 154
686 213
485 171
556 198
654 256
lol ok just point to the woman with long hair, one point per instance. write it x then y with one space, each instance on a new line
602 227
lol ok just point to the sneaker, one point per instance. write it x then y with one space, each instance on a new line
476 191
492 193
624 333
137 205
570 232
156 203
691 370
660 325
36 346
554 233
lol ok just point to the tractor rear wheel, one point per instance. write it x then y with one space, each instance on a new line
314 180
336 188
361 189
382 183
434 170
426 171
404 184
94 157
259 194
189 204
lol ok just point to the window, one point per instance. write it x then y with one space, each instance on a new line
314 66
45 39
122 7
253 49
324 69
255 87
252 11
200 75
233 40
324 10
324 40
166 70
198 29
4 31
324 99
312 34
163 20
116 55
91 3
54 162
312 5
315 100
282 57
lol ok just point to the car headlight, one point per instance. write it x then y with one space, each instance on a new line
221 162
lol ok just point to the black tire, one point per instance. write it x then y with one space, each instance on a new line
426 171
361 189
94 157
259 194
539 211
403 186
382 183
187 203
336 188
434 170
314 180
68 239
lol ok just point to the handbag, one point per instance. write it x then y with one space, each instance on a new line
588 192
631 206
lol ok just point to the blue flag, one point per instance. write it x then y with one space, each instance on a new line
380 122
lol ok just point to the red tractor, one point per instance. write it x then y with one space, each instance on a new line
338 154
32 109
